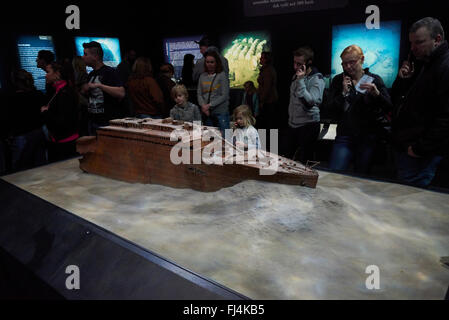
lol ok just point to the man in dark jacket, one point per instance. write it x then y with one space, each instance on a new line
421 117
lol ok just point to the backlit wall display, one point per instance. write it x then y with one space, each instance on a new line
176 48
111 49
380 47
243 52
27 48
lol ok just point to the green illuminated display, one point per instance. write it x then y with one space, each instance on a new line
243 54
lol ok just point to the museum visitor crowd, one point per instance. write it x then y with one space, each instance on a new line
413 116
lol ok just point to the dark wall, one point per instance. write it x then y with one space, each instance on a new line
143 27
143 24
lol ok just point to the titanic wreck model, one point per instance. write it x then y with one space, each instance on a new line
142 151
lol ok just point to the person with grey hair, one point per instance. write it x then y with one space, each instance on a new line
421 96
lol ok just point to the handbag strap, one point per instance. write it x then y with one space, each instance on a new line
210 89
52 98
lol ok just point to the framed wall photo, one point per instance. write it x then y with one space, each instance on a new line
28 47
381 47
243 52
176 48
111 49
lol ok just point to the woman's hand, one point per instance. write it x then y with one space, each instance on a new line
44 108
411 153
205 108
370 88
241 145
347 83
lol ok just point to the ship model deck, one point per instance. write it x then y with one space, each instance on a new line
141 151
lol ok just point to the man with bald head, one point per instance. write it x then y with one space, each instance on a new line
421 117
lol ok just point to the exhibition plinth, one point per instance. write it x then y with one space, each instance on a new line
255 239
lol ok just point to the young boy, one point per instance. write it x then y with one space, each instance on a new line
183 110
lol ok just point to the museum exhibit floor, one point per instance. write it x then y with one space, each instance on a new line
272 241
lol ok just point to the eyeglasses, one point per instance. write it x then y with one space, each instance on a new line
350 62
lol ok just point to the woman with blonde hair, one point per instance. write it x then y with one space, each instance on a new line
359 100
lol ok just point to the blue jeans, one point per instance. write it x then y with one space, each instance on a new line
417 171
17 147
29 150
2 158
92 127
357 149
220 120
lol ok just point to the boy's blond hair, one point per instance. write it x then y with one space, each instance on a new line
245 111
179 89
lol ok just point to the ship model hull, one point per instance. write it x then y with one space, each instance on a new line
143 156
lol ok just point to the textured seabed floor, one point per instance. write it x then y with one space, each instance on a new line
272 241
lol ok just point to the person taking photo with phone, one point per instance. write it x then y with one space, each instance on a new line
421 95
306 95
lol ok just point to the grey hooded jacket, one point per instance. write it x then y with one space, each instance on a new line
306 95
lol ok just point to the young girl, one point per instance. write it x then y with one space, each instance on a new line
245 135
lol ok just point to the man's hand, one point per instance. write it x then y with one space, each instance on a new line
301 73
407 70
44 108
370 88
92 85
411 153
85 89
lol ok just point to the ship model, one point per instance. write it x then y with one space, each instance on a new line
141 151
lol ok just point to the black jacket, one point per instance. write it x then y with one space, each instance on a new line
364 112
421 116
22 112
62 115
